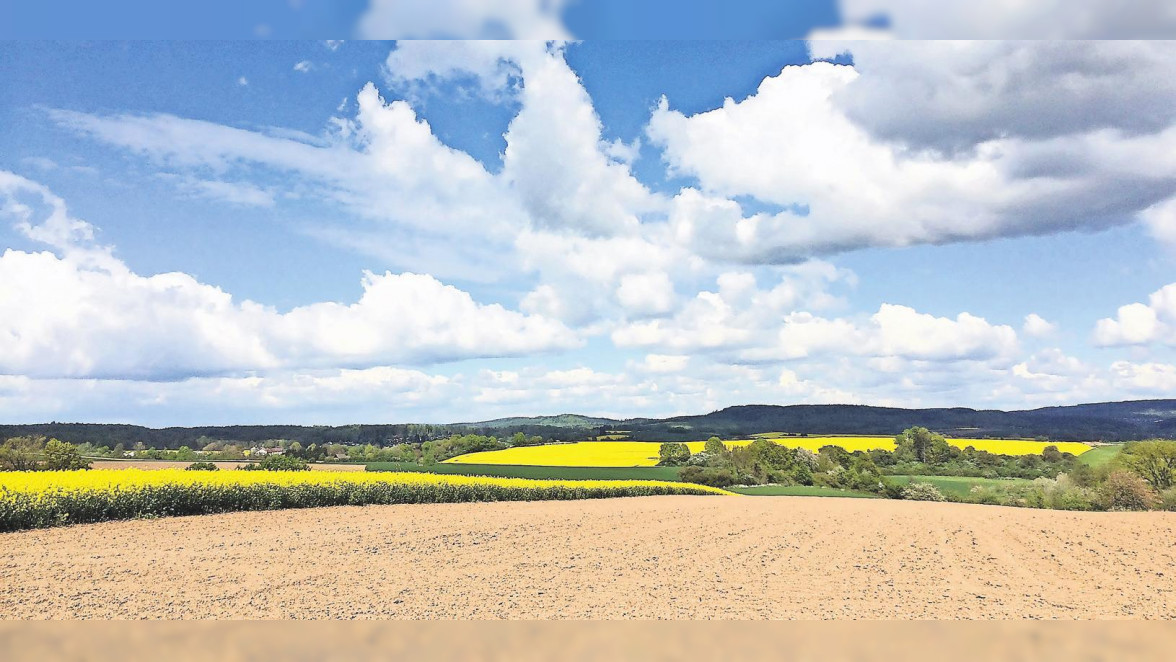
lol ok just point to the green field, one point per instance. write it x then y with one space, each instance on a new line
540 473
800 490
958 486
1101 455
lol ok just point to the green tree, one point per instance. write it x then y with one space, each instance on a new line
1051 454
714 446
62 456
1153 460
672 454
185 454
21 453
919 444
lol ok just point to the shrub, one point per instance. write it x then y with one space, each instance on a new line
1123 490
278 463
1063 493
1168 499
202 466
708 476
984 495
922 492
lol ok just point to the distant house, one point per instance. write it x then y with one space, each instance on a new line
262 452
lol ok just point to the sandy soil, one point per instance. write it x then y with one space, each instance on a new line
165 464
655 557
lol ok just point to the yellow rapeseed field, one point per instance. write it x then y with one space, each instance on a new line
50 498
645 453
123 479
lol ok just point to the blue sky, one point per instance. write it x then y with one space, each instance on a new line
314 232
321 19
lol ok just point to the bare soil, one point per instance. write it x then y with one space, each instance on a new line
653 557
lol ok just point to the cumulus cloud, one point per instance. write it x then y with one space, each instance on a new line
840 188
1140 323
1160 219
83 313
956 95
744 323
1036 326
1145 378
556 160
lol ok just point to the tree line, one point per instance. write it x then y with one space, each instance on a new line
1141 477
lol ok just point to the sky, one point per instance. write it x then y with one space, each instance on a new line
585 19
330 232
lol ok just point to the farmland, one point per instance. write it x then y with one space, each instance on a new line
51 498
645 454
656 557
533 472
170 464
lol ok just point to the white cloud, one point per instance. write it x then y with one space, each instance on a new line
243 81
492 65
41 215
1051 370
648 293
1013 19
663 363
1139 324
463 19
236 193
303 66
40 163
1036 326
85 314
437 206
792 144
1158 379
956 95
556 160
747 324
333 44
1160 219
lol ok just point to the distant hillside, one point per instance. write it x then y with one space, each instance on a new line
1109 421
559 421
1106 421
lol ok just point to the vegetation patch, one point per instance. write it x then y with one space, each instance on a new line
799 490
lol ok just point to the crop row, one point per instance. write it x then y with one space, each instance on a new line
42 499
